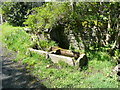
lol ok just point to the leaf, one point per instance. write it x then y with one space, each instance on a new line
89 9
101 16
105 18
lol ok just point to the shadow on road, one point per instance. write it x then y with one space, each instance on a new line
15 76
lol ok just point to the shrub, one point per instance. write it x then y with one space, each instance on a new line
99 55
46 44
48 16
37 43
16 12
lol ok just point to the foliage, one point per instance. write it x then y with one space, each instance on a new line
46 44
47 16
95 22
99 55
117 55
37 43
16 12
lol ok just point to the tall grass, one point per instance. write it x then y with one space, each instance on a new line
98 75
15 38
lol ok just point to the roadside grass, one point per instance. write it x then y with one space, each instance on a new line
98 75
16 39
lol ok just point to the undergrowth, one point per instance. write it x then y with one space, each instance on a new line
16 39
61 75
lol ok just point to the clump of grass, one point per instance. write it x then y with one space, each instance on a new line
45 44
99 56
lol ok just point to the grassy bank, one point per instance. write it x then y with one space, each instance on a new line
98 75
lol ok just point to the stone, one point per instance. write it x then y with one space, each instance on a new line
43 53
82 61
116 68
57 58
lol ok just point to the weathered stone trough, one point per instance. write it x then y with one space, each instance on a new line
81 61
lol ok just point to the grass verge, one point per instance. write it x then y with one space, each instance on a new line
98 75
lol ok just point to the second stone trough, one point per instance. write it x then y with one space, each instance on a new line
56 58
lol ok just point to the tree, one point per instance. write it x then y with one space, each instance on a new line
95 24
16 12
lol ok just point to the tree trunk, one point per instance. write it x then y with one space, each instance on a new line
73 5
117 40
1 19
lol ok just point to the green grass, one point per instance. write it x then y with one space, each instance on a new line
98 75
16 39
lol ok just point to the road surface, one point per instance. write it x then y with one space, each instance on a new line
14 75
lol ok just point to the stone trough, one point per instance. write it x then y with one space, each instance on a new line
81 61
